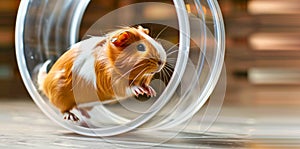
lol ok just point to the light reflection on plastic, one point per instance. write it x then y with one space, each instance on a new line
273 7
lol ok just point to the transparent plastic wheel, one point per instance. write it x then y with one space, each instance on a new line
192 35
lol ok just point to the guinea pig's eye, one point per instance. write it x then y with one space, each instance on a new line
141 47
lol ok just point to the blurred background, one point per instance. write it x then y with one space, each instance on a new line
262 49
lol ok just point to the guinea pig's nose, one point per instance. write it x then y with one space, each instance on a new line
159 62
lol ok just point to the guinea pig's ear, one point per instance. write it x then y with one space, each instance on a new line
122 39
145 30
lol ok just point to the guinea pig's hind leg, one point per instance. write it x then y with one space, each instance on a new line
70 116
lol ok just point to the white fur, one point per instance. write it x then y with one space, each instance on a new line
84 67
84 64
160 50
128 91
84 79
42 75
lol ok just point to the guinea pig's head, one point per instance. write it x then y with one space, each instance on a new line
134 52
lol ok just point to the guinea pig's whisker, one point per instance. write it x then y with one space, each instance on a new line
161 75
169 68
161 32
172 47
130 71
167 75
171 59
123 76
164 77
137 76
116 81
171 63
168 54
167 72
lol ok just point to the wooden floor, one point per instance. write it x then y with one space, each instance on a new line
23 125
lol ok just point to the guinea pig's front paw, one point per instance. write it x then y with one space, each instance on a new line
149 91
141 90
138 90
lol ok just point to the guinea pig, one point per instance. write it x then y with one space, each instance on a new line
118 65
